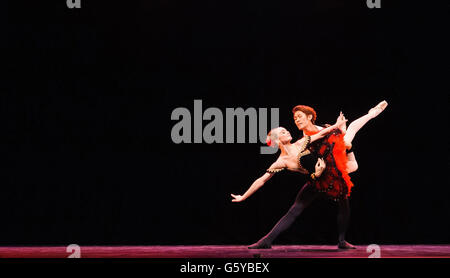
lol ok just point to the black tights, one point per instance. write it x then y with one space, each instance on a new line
306 195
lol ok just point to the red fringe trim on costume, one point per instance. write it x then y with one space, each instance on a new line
340 156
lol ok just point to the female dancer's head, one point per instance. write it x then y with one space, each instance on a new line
304 116
278 137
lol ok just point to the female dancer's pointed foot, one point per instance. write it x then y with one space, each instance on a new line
345 245
378 109
261 244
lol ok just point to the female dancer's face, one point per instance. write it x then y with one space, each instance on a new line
284 136
301 120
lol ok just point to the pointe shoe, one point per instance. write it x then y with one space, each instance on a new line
345 245
260 245
378 109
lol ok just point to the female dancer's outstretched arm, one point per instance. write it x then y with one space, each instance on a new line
279 164
339 122
258 183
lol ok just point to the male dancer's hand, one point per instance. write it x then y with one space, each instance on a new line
320 167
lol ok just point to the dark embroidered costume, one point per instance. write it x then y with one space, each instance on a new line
334 181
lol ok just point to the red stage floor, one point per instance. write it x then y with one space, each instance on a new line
228 251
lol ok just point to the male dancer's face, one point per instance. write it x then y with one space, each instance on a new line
302 120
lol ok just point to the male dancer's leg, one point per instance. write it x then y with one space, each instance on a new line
343 219
304 197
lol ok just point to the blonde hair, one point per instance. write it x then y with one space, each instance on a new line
272 137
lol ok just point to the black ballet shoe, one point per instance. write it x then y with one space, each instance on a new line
260 245
345 245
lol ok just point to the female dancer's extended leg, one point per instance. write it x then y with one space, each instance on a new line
354 127
304 197
357 124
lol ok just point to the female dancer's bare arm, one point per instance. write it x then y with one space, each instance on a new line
341 120
279 164
258 183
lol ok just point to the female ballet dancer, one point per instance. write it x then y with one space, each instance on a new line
330 170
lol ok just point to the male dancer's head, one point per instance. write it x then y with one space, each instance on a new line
304 117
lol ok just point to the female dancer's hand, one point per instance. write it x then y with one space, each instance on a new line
340 122
237 198
320 167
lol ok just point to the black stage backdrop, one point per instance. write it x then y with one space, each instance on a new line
87 96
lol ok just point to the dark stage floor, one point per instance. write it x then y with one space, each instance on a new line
229 251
